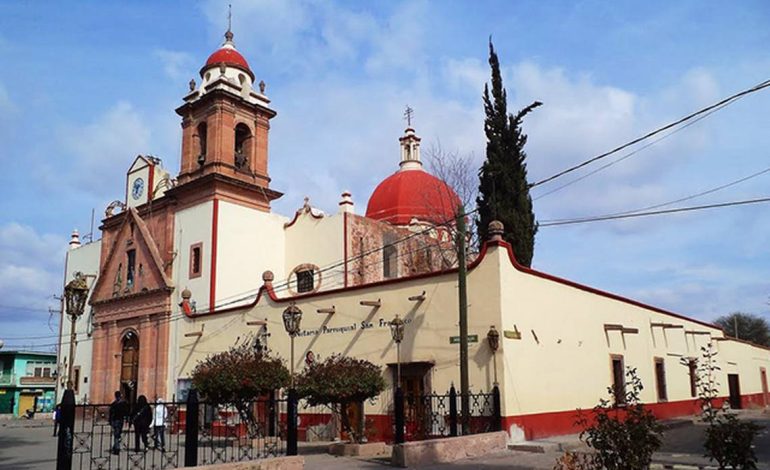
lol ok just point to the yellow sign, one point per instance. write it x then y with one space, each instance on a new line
2 392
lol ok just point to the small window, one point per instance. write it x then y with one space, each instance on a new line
38 371
389 268
131 263
242 136
202 141
196 260
692 366
660 379
76 379
46 372
618 380
305 281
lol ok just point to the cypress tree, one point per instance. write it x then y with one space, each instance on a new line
503 187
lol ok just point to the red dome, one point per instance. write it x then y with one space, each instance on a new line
229 56
410 194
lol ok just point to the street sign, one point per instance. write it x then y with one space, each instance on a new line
456 339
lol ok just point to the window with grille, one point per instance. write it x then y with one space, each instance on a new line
305 281
196 260
618 380
660 379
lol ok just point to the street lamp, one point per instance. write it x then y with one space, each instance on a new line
291 320
397 332
75 295
493 338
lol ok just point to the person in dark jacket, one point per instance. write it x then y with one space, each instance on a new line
142 419
117 416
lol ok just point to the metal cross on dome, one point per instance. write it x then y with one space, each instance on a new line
408 115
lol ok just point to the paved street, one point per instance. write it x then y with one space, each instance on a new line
34 448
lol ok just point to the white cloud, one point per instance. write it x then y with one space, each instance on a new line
30 266
102 150
176 64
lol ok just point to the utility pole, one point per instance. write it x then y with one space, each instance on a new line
463 296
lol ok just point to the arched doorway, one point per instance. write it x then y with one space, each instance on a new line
129 367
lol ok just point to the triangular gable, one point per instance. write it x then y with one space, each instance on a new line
139 163
149 275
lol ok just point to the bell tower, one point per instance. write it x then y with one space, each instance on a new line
225 127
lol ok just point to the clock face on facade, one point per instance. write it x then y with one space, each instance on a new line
138 188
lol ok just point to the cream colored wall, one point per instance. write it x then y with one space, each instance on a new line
319 242
84 259
745 360
430 325
249 243
569 365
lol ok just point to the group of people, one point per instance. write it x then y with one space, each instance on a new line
142 417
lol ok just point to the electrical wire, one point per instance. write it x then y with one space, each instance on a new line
664 204
660 212
720 104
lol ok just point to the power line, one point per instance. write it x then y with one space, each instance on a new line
664 204
628 155
720 104
665 211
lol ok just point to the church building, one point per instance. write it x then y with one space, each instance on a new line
193 264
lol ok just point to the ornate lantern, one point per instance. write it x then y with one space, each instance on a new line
291 319
75 295
397 329
493 338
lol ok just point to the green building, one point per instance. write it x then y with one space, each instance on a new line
27 381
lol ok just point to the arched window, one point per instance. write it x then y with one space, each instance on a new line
129 366
202 142
389 257
242 137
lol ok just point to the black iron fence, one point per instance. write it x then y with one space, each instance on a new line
192 433
433 416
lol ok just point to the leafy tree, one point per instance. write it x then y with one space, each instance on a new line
239 376
622 437
750 327
503 187
338 382
729 440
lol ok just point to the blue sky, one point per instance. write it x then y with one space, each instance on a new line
86 86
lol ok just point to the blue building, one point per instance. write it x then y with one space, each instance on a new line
27 381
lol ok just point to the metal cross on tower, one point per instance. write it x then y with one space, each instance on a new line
229 16
408 115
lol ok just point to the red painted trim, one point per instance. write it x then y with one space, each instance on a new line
151 183
591 290
542 425
345 245
214 233
299 213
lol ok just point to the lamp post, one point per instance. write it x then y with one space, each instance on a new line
75 295
397 333
292 317
493 338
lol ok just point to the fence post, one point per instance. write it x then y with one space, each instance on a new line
66 431
291 423
452 411
496 418
191 430
399 412
271 414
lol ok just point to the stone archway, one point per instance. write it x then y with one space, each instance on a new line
129 366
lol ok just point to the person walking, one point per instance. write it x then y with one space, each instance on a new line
56 414
117 416
142 419
159 416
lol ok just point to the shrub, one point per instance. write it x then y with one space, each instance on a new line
729 441
239 376
340 381
622 437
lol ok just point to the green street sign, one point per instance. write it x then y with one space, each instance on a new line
456 339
